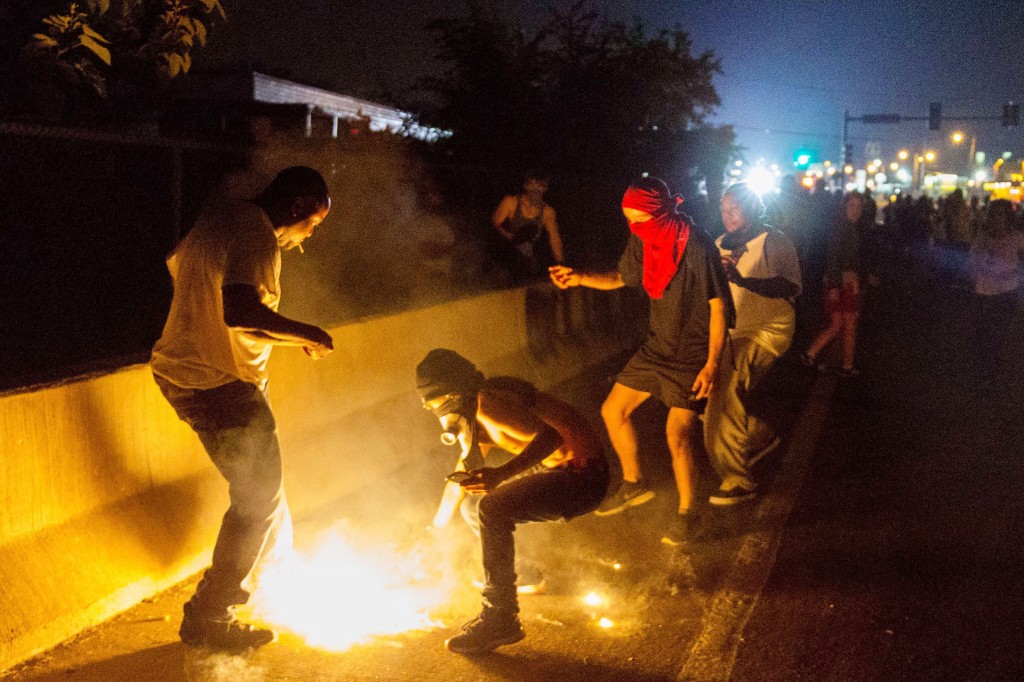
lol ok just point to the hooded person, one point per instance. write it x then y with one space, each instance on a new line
450 382
677 265
557 471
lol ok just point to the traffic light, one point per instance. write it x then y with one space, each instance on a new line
803 158
847 154
1011 114
934 116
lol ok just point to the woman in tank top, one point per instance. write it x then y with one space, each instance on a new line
520 220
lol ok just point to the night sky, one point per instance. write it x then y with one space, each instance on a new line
789 67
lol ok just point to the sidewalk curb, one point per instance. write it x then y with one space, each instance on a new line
715 649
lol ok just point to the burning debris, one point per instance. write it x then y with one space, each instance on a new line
315 595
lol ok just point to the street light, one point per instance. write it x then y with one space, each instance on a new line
957 138
920 164
893 166
903 154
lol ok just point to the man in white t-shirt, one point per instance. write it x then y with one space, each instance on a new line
764 278
211 365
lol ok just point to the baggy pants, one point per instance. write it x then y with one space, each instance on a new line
732 435
238 431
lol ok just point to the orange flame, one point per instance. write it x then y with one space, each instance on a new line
337 596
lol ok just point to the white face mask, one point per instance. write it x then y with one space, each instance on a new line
451 412
454 425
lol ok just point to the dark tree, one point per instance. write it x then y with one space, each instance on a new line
97 57
580 95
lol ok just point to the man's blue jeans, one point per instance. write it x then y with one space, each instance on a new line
237 428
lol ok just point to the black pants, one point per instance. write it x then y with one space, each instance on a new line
237 428
546 496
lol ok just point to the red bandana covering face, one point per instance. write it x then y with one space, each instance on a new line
664 235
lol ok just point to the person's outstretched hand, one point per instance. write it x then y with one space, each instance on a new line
564 277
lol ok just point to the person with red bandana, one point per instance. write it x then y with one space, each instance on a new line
691 307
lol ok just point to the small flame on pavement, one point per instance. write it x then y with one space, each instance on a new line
594 599
337 595
605 623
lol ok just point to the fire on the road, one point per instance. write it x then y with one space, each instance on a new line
339 595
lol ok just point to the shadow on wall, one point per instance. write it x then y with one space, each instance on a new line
573 318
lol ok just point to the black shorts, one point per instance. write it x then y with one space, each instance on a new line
667 381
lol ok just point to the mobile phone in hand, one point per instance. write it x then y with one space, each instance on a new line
459 476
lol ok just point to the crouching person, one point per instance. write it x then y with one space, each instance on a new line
566 474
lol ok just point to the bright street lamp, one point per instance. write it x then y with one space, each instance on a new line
929 156
957 138
903 155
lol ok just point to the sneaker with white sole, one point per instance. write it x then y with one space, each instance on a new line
628 495
725 498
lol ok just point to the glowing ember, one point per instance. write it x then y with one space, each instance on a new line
593 599
337 596
605 623
617 566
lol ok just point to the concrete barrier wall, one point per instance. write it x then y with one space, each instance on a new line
106 498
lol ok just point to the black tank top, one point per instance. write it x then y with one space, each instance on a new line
524 229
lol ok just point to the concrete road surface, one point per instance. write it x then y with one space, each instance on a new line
886 546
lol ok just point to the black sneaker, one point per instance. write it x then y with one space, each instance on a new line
229 636
486 632
628 495
725 498
684 528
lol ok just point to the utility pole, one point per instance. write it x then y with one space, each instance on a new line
1010 117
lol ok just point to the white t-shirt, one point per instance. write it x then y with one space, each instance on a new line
232 243
769 322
